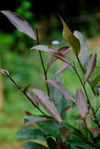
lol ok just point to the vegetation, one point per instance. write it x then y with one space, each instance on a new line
52 125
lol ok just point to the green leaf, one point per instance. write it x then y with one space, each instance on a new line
70 38
30 133
78 142
33 145
95 81
49 127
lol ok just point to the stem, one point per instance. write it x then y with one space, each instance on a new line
23 91
94 114
84 72
43 66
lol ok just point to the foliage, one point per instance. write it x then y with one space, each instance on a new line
51 126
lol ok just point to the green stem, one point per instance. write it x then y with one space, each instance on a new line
43 66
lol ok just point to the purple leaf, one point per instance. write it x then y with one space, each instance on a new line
3 71
81 105
47 104
44 48
63 50
64 91
91 64
19 22
62 69
38 119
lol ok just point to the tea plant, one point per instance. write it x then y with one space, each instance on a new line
51 128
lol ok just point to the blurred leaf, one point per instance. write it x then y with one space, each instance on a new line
51 143
3 71
65 132
47 104
91 64
84 48
63 50
58 99
32 145
30 133
21 24
44 48
50 128
38 119
70 38
64 91
78 142
81 105
62 68
82 127
95 81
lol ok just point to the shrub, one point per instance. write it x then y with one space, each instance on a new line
51 127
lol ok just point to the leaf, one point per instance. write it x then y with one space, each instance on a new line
44 48
70 38
19 22
91 64
32 98
3 71
33 145
63 50
81 105
64 91
30 133
84 48
62 69
58 99
95 81
38 119
51 128
47 104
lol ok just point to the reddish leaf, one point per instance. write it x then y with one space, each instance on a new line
47 104
32 98
65 132
67 108
63 50
80 102
3 71
21 24
43 48
64 91
62 69
91 64
38 119
62 58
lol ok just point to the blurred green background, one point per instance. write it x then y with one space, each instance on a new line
25 67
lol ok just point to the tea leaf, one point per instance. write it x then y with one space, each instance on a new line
63 50
38 119
70 38
47 104
91 64
64 91
19 22
44 48
62 69
3 71
81 105
30 133
32 145
84 48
